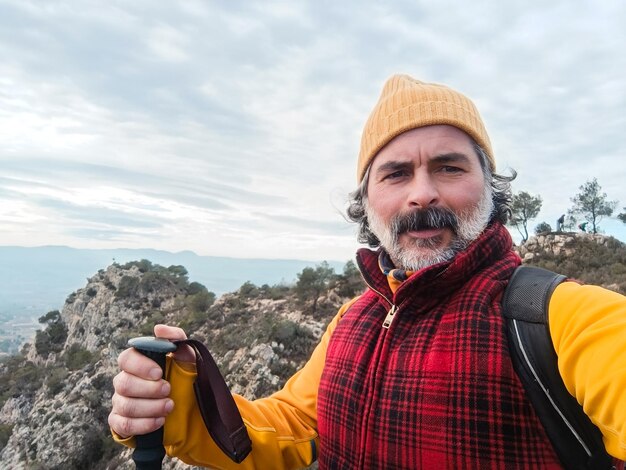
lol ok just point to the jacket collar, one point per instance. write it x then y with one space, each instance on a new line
440 279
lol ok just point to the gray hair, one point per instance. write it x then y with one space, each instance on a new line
501 194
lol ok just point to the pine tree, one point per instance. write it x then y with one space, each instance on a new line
524 207
592 204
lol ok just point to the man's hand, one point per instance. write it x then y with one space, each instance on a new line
140 402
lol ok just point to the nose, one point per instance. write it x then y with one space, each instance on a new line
423 191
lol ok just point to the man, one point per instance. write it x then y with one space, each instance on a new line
415 372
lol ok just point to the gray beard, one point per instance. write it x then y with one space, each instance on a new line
428 252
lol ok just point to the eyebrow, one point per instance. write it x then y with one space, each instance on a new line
392 166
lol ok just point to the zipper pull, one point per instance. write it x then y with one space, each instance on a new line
389 317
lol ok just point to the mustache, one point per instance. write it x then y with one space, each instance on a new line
425 219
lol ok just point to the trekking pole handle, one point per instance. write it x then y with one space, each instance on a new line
149 452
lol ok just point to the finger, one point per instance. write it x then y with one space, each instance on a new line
135 363
129 385
126 427
183 353
141 407
169 332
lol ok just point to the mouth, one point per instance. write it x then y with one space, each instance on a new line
425 233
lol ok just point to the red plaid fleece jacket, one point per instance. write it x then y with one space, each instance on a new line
437 388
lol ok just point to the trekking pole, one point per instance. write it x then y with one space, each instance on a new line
149 452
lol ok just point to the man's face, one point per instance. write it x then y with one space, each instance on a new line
427 198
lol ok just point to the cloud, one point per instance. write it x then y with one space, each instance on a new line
168 43
233 128
104 216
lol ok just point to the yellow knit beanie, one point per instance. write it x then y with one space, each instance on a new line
406 104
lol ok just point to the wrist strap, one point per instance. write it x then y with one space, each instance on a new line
217 406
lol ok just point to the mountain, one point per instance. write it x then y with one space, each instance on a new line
36 280
55 396
46 274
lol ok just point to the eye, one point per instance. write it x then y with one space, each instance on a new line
451 170
395 175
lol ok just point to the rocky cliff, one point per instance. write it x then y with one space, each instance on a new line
55 396
591 258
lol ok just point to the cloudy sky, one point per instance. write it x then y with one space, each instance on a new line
232 128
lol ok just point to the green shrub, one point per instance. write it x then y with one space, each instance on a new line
127 287
284 331
178 270
350 283
143 265
77 357
248 290
275 292
283 369
154 317
543 227
194 288
119 342
52 338
19 377
178 275
55 380
150 281
201 301
298 341
5 433
53 316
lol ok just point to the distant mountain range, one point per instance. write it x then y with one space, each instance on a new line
36 280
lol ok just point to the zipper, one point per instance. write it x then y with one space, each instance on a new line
390 316
392 311
372 385
373 382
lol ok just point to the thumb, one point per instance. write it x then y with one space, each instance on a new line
184 352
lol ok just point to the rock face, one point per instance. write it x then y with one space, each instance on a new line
62 424
55 397
558 244
591 258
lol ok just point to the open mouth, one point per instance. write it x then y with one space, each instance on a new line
425 233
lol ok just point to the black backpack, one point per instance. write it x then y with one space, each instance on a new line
576 440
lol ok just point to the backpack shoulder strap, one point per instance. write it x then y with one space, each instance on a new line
576 440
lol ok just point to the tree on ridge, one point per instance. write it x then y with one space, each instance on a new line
592 204
524 207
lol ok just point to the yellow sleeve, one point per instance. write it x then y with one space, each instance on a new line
588 329
282 427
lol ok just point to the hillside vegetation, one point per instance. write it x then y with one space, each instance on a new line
55 395
589 258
